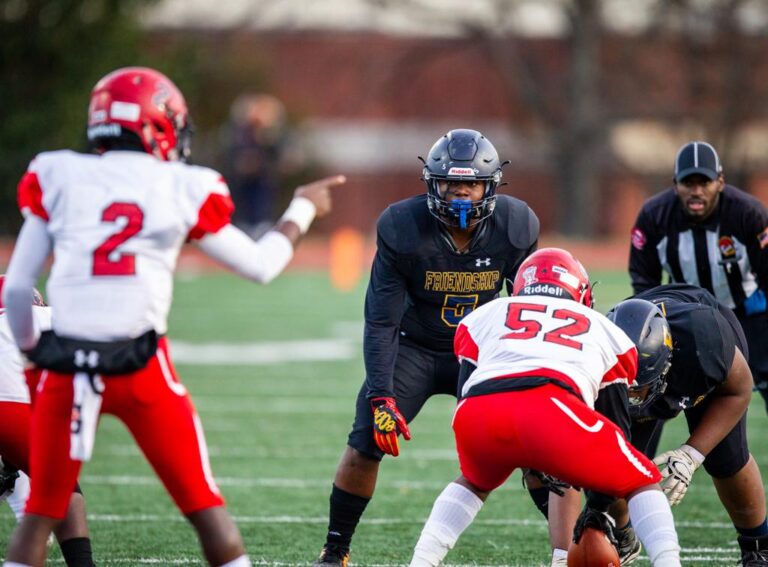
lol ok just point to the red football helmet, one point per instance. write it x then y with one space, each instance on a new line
553 271
37 299
145 102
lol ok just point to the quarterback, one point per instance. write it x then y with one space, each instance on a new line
115 221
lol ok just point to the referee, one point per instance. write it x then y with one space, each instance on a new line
709 234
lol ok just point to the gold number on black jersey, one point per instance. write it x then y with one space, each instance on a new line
456 307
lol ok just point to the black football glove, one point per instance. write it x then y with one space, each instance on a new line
550 482
388 422
592 518
8 476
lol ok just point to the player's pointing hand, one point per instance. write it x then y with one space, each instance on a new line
319 193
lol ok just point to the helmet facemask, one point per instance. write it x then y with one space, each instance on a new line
460 213
642 395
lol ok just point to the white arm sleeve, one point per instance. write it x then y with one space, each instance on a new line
261 260
29 255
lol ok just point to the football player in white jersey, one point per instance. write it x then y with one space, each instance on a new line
532 367
115 221
15 416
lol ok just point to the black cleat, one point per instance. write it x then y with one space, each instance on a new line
754 551
332 555
754 559
629 547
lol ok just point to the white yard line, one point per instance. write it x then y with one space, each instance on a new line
271 352
717 559
301 483
132 451
239 482
115 518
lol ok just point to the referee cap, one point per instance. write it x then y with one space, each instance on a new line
697 157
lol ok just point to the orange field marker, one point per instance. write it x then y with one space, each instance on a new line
347 249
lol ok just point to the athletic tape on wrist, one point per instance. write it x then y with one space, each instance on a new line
302 212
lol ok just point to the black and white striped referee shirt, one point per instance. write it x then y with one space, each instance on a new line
726 254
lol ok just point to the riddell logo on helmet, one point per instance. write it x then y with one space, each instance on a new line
461 171
543 289
104 131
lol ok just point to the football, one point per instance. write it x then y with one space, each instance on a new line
593 550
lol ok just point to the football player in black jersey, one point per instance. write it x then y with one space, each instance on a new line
709 381
438 257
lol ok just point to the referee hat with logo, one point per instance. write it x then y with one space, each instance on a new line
697 157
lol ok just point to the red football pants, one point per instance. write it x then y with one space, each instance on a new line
14 433
550 430
158 412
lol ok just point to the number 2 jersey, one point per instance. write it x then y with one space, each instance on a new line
118 222
526 341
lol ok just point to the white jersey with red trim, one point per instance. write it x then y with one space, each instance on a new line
549 336
118 222
13 386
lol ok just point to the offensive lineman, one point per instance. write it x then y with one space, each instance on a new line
116 222
439 256
532 367
709 382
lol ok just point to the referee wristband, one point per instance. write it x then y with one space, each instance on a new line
301 212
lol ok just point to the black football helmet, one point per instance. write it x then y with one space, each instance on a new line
462 155
646 326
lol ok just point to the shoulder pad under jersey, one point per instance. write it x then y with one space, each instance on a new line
521 222
404 224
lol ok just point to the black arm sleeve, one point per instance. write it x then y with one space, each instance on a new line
613 403
465 369
644 264
384 301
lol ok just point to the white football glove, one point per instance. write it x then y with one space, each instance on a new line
677 467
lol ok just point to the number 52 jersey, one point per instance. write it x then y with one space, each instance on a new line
542 336
117 222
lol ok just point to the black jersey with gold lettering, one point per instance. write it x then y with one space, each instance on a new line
421 287
705 334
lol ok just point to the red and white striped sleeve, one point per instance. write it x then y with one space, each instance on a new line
624 371
464 346
215 212
29 195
